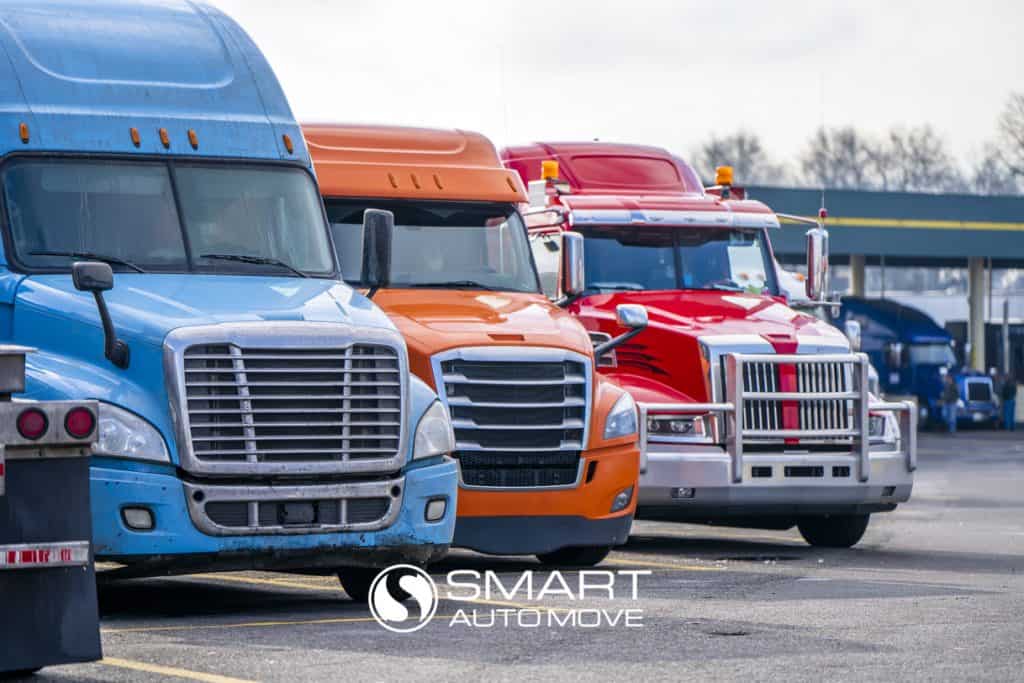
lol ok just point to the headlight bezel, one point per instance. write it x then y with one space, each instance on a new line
623 419
441 437
703 428
152 450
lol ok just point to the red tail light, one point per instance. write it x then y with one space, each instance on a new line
80 422
32 424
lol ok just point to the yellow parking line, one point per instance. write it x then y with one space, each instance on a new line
280 583
245 624
312 586
170 671
665 565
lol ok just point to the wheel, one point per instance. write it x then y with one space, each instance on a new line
837 531
579 556
356 582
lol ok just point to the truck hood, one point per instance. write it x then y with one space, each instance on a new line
702 314
145 307
669 352
435 320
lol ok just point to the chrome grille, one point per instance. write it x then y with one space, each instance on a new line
284 405
826 414
761 414
518 423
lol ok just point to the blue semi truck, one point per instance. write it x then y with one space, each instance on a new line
913 355
166 250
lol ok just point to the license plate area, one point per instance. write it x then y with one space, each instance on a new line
297 514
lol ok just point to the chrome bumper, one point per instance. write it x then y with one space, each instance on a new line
724 471
201 495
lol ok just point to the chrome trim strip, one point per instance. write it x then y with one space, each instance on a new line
288 335
257 494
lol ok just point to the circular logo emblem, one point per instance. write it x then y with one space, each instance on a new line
390 591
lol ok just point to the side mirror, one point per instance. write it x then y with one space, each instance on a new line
852 329
378 229
97 277
572 264
92 276
817 263
631 315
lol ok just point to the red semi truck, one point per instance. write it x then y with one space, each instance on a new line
753 414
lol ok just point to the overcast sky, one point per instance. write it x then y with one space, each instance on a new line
665 73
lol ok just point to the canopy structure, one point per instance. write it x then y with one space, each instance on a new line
903 227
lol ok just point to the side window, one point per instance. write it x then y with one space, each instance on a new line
547 254
348 245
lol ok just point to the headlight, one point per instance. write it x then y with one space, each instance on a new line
621 420
882 428
126 435
434 435
680 428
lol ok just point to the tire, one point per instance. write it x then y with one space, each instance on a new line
356 581
579 556
837 531
18 675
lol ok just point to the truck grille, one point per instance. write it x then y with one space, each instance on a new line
337 512
979 391
828 414
821 415
517 423
273 405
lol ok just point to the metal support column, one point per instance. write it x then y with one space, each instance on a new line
857 274
976 311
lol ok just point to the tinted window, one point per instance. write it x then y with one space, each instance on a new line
123 210
126 210
441 244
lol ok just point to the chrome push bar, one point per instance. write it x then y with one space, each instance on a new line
859 402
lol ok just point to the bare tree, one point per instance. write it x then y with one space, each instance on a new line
914 160
745 153
991 176
1011 135
917 160
839 158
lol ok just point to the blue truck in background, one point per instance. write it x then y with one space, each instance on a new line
913 355
166 250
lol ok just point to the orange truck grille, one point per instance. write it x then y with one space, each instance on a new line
518 424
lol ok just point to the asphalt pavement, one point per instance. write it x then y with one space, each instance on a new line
935 591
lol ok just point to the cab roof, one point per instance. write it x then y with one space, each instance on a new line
409 163
79 75
613 183
607 168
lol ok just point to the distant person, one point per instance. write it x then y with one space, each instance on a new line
950 398
1008 394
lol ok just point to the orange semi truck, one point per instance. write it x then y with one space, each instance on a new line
547 448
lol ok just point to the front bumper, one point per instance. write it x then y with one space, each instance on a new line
541 520
706 472
177 545
540 534
754 464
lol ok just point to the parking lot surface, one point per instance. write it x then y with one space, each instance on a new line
934 591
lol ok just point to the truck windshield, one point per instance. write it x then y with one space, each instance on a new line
443 245
637 259
932 354
165 216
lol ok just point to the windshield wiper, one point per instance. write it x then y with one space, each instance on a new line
257 260
453 284
90 255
